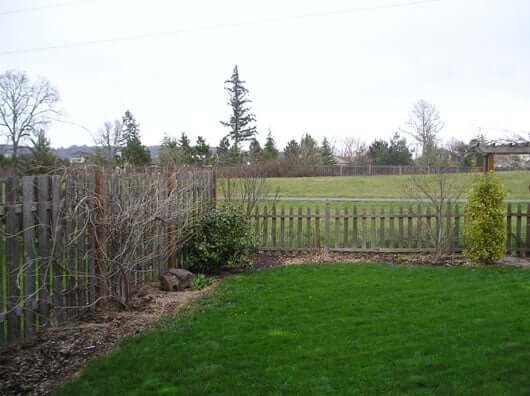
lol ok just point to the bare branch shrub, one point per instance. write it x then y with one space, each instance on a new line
246 190
439 192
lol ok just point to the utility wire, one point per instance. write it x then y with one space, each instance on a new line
44 7
280 19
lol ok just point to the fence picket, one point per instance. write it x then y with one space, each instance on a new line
327 226
346 228
518 227
12 225
282 228
43 184
317 227
29 299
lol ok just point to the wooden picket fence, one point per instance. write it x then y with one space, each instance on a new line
55 239
395 229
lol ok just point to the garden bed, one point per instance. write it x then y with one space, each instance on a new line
59 353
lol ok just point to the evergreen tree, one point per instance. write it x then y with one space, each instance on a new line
169 154
292 152
201 151
326 153
394 152
42 160
255 153
270 152
400 153
134 153
309 151
131 129
241 124
222 151
186 151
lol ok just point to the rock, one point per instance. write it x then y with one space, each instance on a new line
176 279
183 276
169 282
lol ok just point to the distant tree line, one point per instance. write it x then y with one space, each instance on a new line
27 108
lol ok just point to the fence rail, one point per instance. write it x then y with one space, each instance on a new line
284 169
63 240
401 229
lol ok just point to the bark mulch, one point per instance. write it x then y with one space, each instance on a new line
268 259
58 354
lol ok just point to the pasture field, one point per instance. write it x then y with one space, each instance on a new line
516 183
334 329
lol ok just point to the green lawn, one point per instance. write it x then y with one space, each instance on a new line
516 183
335 329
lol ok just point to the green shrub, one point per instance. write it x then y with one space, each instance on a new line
222 238
200 281
484 230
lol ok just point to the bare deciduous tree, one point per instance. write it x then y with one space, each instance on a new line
424 125
24 106
354 151
109 140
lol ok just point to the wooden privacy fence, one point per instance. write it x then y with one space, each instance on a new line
67 242
398 229
285 169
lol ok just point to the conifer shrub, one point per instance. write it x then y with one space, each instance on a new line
485 216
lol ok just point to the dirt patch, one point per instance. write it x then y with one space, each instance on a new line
58 354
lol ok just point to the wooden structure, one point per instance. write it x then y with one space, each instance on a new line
490 150
399 229
56 240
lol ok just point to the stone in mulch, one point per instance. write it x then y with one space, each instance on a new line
57 354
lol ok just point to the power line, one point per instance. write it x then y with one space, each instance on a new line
280 19
44 7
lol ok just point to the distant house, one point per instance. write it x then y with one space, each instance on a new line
78 158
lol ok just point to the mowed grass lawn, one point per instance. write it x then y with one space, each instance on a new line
516 183
335 329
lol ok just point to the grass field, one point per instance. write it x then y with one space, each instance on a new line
335 329
516 183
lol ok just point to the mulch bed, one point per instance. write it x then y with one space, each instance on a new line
269 259
58 354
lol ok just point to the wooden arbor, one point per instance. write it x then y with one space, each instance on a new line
490 150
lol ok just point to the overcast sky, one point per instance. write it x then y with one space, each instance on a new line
333 68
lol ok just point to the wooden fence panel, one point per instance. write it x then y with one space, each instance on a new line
54 240
376 230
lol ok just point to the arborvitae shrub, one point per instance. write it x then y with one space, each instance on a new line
485 216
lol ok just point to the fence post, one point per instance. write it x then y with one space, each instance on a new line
170 227
101 287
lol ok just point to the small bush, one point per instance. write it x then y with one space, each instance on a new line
200 281
222 238
484 231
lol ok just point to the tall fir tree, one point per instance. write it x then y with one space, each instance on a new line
270 152
240 126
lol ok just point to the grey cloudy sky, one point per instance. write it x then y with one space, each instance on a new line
333 68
